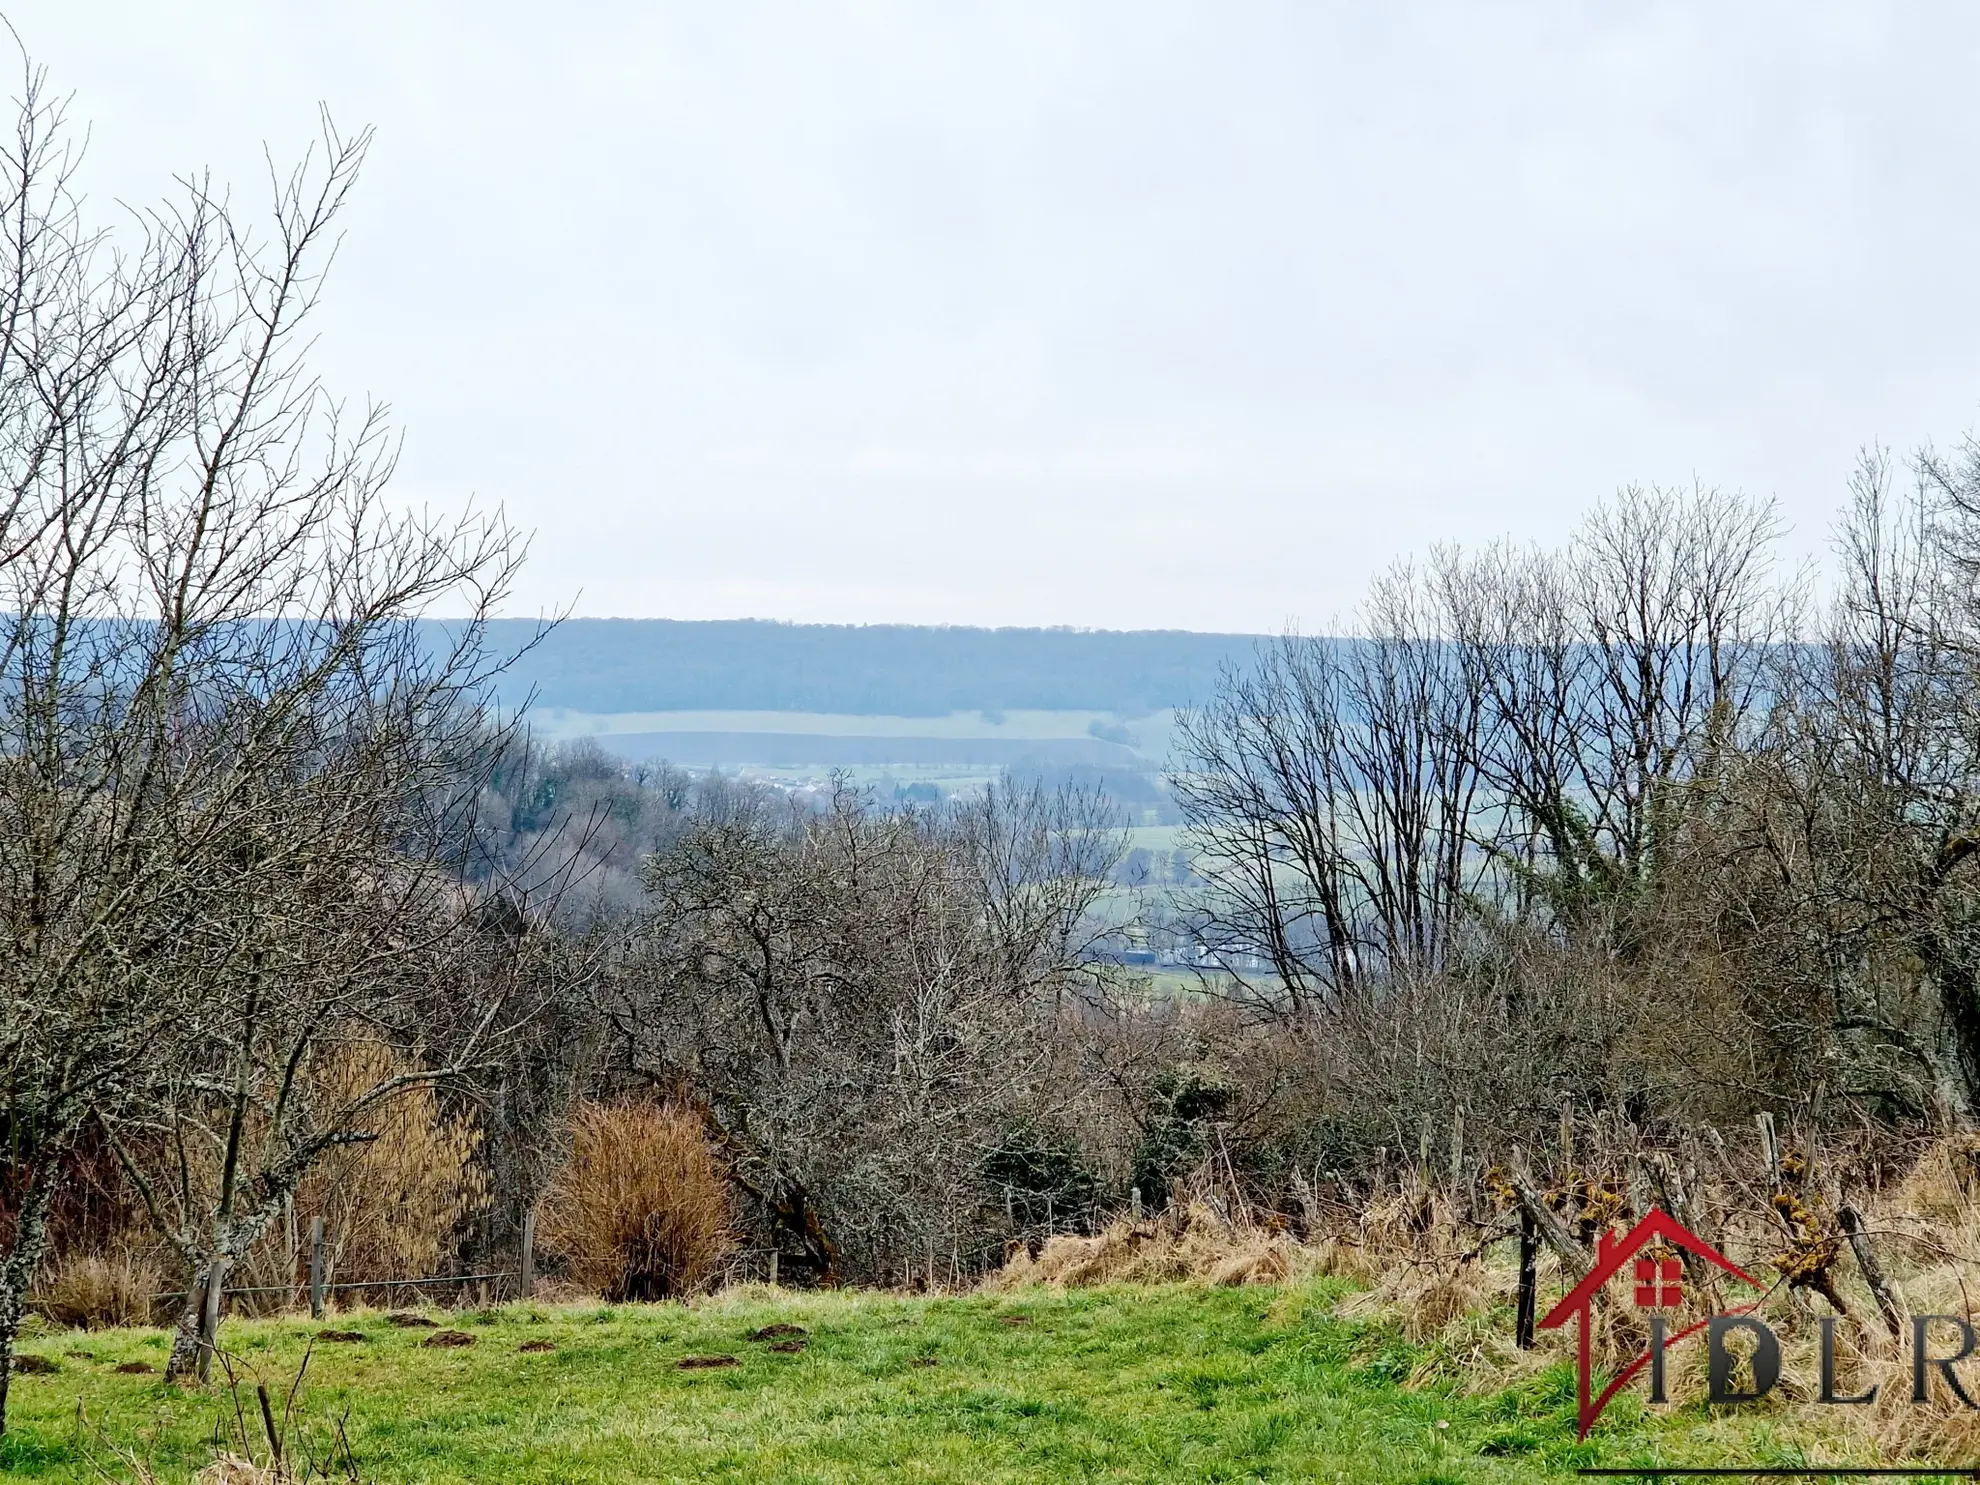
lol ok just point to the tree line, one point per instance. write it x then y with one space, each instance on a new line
1642 827
896 670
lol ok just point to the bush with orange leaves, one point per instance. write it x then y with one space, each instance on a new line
642 1210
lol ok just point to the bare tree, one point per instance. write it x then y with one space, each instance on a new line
1447 831
1330 793
231 764
1614 672
1859 816
861 1000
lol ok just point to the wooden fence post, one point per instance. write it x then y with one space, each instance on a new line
1867 1265
316 1268
1529 1281
1770 1150
527 1276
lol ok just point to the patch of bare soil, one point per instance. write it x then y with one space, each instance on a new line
779 1332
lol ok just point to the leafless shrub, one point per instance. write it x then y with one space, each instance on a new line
861 1000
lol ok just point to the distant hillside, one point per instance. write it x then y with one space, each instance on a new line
903 670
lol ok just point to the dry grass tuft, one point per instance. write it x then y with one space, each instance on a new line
392 1206
1424 1297
642 1209
1193 1245
99 1291
232 1469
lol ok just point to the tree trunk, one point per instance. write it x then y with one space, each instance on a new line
198 1329
796 1216
18 1270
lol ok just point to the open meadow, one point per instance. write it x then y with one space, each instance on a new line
1182 1382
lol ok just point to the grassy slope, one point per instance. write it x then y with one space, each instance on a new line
1176 1383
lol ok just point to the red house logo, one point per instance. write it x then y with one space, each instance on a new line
1659 1287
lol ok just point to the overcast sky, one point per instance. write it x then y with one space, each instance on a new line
1181 315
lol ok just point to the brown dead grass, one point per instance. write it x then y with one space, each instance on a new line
642 1209
392 1206
1195 1245
98 1291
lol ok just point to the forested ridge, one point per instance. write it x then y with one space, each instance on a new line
902 670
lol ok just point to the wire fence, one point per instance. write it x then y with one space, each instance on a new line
320 1286
746 1265
437 1281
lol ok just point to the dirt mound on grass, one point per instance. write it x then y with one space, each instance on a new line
448 1339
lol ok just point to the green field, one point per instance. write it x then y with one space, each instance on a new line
1175 1383
1152 732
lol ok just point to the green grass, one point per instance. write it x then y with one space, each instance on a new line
1130 1384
